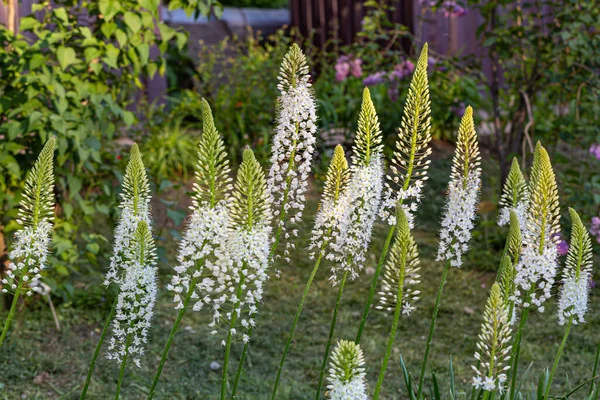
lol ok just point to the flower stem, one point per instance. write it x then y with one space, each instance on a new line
295 322
517 349
238 373
558 354
436 308
388 351
122 371
234 316
165 352
13 307
331 331
382 258
595 369
88 379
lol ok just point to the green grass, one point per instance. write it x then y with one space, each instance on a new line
39 363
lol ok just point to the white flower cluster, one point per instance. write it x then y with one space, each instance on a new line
328 221
520 210
206 235
133 312
362 201
535 270
489 383
459 217
573 299
347 373
241 268
292 150
411 198
31 252
123 249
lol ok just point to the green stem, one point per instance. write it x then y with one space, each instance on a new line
382 258
388 351
517 350
558 354
331 331
88 379
595 369
13 307
122 371
238 373
229 339
436 308
295 322
165 352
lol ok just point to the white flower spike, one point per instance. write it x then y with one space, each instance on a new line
573 298
463 195
347 372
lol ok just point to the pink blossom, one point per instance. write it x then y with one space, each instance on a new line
595 150
346 66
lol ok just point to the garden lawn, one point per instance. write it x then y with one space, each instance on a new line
37 362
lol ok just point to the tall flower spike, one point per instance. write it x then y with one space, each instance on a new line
294 141
240 270
36 212
538 265
331 210
573 299
135 207
213 179
402 268
463 194
362 200
410 164
347 372
514 240
515 196
209 225
493 348
135 303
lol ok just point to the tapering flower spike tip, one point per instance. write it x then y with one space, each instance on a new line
362 198
573 298
135 207
463 194
493 347
538 265
410 162
347 372
515 197
30 249
402 269
293 142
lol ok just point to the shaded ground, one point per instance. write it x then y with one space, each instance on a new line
39 363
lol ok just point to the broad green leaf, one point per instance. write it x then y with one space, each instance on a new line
132 21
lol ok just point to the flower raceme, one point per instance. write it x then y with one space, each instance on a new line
347 372
293 142
410 164
135 303
401 271
135 207
362 197
537 267
331 208
29 252
573 298
463 194
209 226
493 348
515 197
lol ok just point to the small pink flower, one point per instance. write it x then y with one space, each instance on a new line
595 150
346 66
